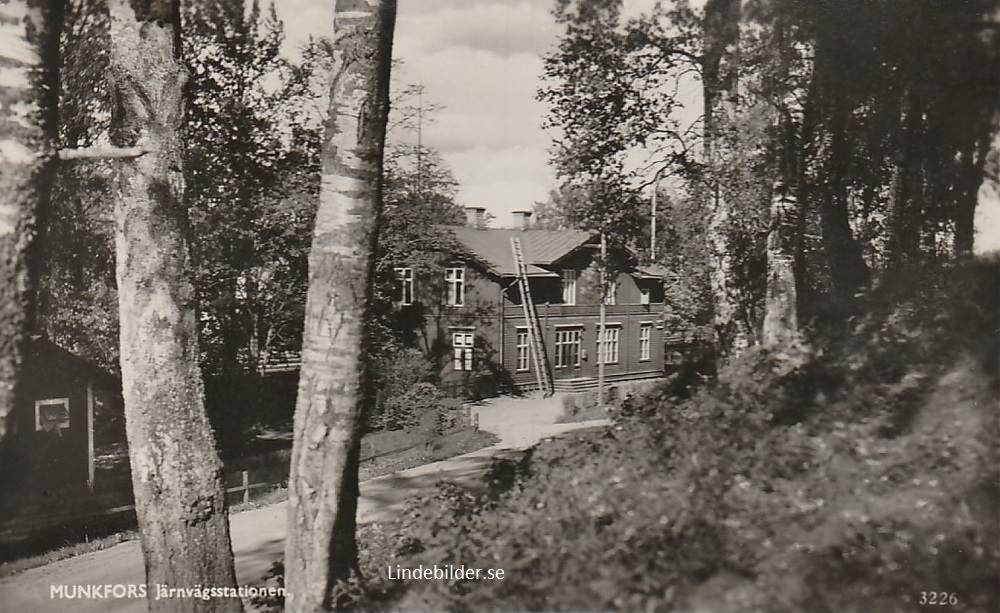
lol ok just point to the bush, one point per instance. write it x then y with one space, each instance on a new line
404 396
851 473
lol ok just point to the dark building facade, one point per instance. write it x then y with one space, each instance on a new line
473 311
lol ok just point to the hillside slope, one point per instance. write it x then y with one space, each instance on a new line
858 472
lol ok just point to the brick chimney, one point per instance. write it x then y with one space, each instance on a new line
475 217
522 220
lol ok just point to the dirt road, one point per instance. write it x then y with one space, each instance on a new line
258 535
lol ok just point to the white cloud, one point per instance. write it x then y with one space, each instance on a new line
481 61
503 29
501 179
488 100
304 18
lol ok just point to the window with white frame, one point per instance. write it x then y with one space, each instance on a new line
462 345
568 345
609 297
404 284
569 286
645 342
643 294
523 350
51 414
607 348
455 280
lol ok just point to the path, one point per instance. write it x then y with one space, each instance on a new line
258 535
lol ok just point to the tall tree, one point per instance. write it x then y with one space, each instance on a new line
234 159
321 547
720 87
77 298
29 94
610 87
176 472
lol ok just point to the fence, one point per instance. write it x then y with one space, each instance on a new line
245 476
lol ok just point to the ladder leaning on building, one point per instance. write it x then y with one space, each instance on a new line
535 338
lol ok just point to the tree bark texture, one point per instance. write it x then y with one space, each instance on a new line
781 325
176 471
848 271
720 88
904 214
29 89
321 546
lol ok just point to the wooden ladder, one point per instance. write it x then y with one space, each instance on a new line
535 337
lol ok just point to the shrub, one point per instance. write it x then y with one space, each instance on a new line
849 474
404 394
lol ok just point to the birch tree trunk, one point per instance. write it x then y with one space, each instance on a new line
321 546
781 324
720 81
176 471
29 90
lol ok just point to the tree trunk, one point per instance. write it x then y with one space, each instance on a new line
719 70
848 271
781 304
176 472
903 217
29 90
321 546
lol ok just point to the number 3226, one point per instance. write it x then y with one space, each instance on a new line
938 598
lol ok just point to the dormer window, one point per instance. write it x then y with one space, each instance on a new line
643 294
569 286
612 289
455 281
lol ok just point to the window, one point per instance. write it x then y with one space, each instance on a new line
568 341
645 341
569 286
523 355
608 351
455 280
462 345
52 414
643 294
404 278
609 298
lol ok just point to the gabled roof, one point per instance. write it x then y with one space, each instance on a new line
650 271
491 246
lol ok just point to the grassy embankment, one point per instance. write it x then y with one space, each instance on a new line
858 472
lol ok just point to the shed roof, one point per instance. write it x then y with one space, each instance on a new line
44 354
540 248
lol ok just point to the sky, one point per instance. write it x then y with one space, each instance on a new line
481 60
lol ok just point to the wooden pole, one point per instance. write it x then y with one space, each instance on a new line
601 340
91 471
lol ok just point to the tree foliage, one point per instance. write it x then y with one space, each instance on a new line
879 116
247 183
611 86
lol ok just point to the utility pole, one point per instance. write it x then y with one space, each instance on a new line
420 140
652 216
602 320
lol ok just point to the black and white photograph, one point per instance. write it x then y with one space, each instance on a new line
464 306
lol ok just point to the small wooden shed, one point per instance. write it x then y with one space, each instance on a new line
64 404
